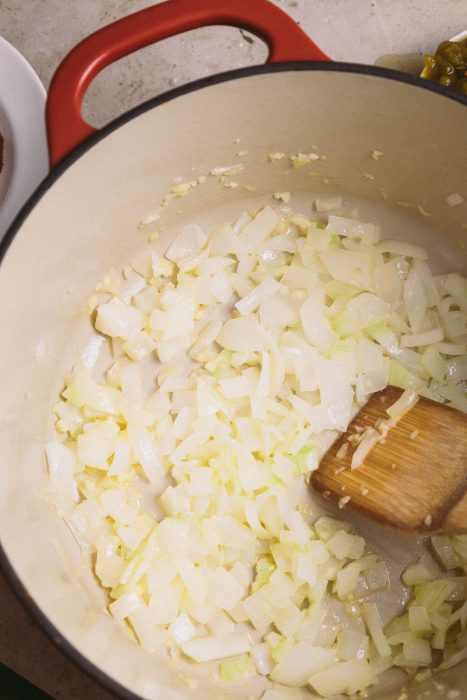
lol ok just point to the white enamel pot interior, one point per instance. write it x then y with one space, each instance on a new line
85 219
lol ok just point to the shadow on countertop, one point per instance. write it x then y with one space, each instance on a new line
14 687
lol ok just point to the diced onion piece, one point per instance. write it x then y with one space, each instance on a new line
402 248
373 623
251 301
416 574
61 464
446 553
351 267
147 452
242 335
124 606
454 199
352 645
216 646
419 620
346 579
427 338
341 544
433 363
301 661
264 662
417 652
456 369
119 320
344 677
404 403
188 243
433 594
224 589
354 229
456 286
182 629
370 438
451 348
259 228
237 669
317 328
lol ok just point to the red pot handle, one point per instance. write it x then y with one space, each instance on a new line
65 126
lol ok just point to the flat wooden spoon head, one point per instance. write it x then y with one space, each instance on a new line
416 479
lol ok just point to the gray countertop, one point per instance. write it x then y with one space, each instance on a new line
45 30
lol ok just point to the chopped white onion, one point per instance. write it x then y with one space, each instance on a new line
237 359
216 647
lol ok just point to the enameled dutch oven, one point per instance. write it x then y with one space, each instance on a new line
84 219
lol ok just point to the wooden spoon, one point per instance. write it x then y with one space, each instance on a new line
416 479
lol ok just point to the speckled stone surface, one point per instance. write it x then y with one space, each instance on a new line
45 30
348 30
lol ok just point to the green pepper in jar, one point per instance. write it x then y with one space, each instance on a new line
448 66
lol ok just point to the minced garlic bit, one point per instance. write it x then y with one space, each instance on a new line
275 156
364 491
300 159
423 211
284 196
428 520
181 190
186 680
304 509
167 199
454 199
343 501
423 675
453 694
92 303
354 439
342 451
414 434
240 154
369 176
227 169
153 215
178 189
376 155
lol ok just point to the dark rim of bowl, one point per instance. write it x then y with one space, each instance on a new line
6 567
